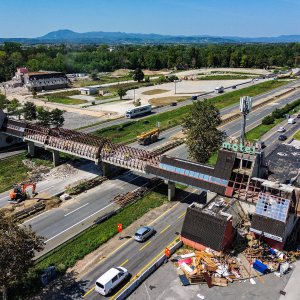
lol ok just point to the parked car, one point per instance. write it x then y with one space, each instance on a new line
194 98
234 87
281 129
110 279
173 104
298 116
144 233
260 145
282 137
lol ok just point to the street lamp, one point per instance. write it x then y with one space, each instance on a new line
175 81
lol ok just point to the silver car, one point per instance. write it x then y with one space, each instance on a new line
143 233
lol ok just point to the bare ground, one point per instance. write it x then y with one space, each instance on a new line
166 100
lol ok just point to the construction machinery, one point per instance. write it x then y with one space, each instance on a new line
21 192
149 137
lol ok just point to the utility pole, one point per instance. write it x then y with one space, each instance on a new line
133 95
245 107
175 85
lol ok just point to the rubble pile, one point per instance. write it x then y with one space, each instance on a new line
62 171
37 172
221 268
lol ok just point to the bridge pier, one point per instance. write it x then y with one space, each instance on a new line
31 148
55 156
171 190
106 169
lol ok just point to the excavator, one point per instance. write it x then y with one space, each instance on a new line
149 137
21 192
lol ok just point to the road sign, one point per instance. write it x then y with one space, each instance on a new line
120 227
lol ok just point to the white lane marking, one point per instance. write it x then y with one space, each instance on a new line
48 188
78 223
75 209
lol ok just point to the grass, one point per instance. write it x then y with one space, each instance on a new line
297 135
128 131
70 252
13 171
67 101
224 77
166 100
155 92
257 132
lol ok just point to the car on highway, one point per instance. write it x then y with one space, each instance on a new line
282 137
298 116
173 104
194 98
281 129
144 233
233 87
110 279
291 121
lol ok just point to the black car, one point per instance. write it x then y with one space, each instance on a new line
194 97
234 87
282 137
298 116
173 104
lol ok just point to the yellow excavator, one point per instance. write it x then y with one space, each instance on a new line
149 137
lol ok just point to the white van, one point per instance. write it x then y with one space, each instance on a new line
291 121
110 280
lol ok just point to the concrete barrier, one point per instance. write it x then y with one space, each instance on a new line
133 285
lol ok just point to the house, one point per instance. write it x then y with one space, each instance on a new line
213 226
90 90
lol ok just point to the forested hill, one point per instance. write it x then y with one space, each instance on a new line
92 58
101 37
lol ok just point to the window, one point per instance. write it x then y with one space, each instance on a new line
206 177
115 278
186 172
182 171
192 173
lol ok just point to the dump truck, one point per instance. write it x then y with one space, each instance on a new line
21 192
149 137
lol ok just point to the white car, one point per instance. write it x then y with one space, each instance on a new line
281 129
110 279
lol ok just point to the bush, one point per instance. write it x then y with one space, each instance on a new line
277 113
268 120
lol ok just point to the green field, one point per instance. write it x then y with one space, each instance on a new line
224 77
12 170
67 101
297 135
127 132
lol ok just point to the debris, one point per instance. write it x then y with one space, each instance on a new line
200 296
188 255
252 281
282 293
184 280
260 267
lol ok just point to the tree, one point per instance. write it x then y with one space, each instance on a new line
44 116
57 118
200 126
94 75
3 101
29 111
14 107
121 93
18 245
138 75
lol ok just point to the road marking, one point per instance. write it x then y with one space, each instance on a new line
50 187
145 246
4 198
75 209
163 214
88 292
142 270
125 262
165 229
182 215
78 222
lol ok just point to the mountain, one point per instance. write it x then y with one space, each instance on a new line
100 37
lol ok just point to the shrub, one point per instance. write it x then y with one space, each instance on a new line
268 120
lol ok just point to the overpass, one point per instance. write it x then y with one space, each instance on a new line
231 175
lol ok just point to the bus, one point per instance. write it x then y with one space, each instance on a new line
138 111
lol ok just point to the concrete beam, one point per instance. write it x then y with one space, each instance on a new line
55 156
171 190
31 148
106 169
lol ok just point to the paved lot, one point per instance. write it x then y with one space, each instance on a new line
164 284
75 120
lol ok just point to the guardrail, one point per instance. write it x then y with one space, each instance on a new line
125 293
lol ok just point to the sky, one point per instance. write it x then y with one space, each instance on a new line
246 18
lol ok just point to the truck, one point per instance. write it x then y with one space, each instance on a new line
149 137
138 111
